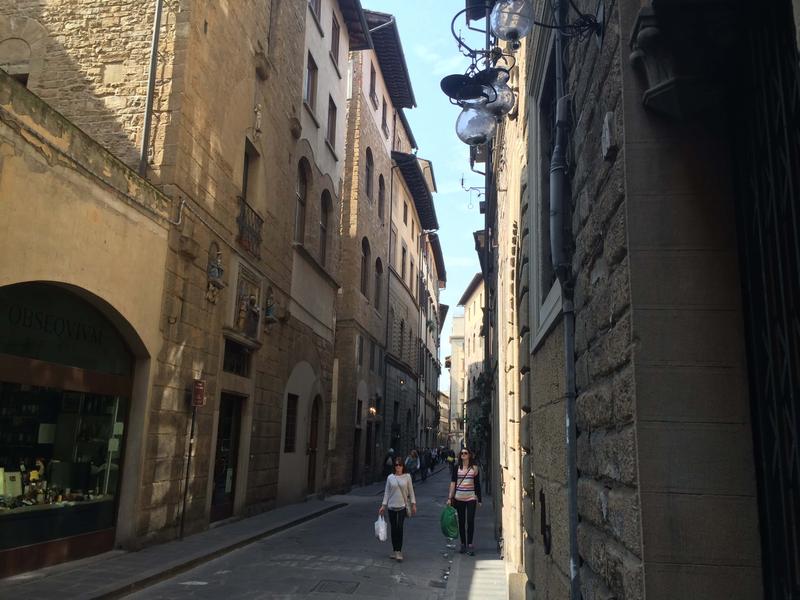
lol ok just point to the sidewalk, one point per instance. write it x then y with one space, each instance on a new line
446 575
116 573
482 577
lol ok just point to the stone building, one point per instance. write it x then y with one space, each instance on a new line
433 277
413 215
443 431
379 91
455 364
332 29
472 301
198 281
661 329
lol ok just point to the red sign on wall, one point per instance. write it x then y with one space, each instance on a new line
199 393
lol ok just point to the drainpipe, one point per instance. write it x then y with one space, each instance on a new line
561 266
151 85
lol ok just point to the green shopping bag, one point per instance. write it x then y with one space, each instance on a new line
449 522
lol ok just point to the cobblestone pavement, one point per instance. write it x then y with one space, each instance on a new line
316 549
337 557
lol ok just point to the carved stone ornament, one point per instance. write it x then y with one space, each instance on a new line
214 271
675 63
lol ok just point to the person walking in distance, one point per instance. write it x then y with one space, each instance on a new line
465 496
399 499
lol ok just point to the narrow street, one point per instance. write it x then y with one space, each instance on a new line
337 556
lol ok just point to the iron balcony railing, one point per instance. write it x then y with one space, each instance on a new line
249 236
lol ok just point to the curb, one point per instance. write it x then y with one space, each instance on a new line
128 588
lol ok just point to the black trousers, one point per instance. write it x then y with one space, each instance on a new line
396 520
466 519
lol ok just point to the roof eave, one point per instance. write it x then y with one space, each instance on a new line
414 177
357 28
473 285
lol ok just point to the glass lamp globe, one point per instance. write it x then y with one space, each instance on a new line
504 98
512 20
475 125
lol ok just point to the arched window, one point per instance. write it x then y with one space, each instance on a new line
378 283
324 216
381 197
303 178
366 263
369 171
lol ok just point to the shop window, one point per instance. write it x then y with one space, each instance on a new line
236 359
290 440
60 461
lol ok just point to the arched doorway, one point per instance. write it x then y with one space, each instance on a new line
65 382
313 443
303 411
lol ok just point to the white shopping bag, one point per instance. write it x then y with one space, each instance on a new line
380 529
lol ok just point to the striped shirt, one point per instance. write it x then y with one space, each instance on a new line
468 487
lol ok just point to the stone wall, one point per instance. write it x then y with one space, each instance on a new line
97 79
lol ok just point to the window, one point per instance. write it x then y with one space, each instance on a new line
413 230
335 34
405 213
373 96
310 84
392 244
250 170
236 359
359 350
369 170
359 410
547 115
371 355
545 294
384 124
303 172
403 263
290 439
402 336
378 283
314 5
331 135
366 263
411 276
324 216
381 198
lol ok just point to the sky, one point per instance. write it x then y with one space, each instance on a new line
431 53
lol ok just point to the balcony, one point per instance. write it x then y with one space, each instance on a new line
249 236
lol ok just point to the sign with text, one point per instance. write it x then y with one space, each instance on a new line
199 393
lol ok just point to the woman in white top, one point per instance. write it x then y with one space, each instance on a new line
398 497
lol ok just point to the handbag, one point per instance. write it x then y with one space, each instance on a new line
448 521
380 529
405 500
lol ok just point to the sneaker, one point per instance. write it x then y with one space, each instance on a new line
393 556
463 549
399 557
471 551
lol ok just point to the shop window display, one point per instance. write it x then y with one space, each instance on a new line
60 457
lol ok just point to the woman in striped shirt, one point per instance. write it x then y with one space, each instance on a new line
465 495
